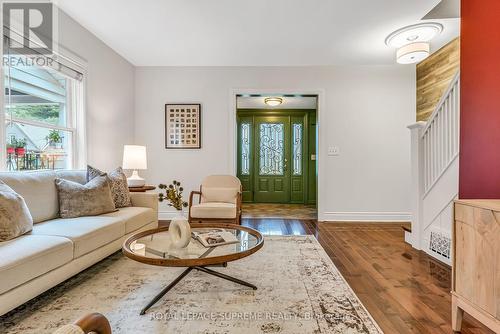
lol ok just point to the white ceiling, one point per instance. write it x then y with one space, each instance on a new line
293 102
252 32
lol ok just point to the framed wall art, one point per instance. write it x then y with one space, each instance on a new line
183 126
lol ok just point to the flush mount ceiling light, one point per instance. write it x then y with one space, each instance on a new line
422 32
273 101
412 41
413 53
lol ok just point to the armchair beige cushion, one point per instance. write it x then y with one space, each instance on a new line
216 194
220 199
214 210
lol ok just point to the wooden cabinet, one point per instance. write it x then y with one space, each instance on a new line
476 262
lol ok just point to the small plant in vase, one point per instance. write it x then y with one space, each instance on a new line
179 229
173 194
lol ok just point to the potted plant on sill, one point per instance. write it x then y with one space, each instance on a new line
54 138
11 148
21 146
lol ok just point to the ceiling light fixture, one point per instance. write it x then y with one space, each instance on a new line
422 32
413 53
412 41
273 101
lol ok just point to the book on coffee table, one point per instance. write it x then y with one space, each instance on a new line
215 237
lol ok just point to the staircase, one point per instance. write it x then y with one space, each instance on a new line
434 155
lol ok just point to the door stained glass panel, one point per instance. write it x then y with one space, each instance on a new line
297 149
245 149
271 150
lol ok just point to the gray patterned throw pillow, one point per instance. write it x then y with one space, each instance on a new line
91 199
15 218
118 184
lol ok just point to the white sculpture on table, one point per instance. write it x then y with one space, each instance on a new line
180 232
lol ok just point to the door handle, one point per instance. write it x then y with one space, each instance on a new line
285 165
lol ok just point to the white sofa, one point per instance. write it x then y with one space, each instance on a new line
58 248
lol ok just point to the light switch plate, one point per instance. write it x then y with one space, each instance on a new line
333 151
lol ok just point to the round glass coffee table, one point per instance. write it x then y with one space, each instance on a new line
154 247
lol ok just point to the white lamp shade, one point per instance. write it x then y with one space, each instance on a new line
134 157
413 53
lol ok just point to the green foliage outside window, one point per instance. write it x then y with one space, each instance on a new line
46 113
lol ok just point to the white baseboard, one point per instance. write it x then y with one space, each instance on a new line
365 216
408 237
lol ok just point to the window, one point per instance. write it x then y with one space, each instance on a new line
42 114
297 149
245 148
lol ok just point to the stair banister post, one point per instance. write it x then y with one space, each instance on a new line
417 182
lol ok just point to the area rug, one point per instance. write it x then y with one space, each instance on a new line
299 291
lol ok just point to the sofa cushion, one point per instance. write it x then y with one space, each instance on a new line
214 210
15 218
90 199
30 256
38 190
87 233
134 217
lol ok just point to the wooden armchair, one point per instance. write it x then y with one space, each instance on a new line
90 323
219 199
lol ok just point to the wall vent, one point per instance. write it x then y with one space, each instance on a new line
440 243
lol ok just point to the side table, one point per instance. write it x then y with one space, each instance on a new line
142 189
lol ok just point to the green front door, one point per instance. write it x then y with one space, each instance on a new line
275 150
272 151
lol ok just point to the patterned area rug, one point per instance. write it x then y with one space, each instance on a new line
299 291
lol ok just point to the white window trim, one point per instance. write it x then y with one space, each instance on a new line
79 131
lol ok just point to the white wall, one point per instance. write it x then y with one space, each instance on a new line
364 110
110 94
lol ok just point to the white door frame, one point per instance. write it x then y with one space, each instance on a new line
232 161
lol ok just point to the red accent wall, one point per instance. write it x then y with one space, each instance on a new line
480 100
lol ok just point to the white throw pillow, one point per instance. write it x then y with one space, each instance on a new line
213 194
15 218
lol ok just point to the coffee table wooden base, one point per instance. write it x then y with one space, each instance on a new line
184 274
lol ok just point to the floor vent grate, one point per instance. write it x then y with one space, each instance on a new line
440 244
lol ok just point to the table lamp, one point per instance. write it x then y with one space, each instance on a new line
134 158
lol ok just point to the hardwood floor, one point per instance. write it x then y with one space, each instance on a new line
284 211
404 290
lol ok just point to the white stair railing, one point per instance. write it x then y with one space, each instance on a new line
434 166
440 137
